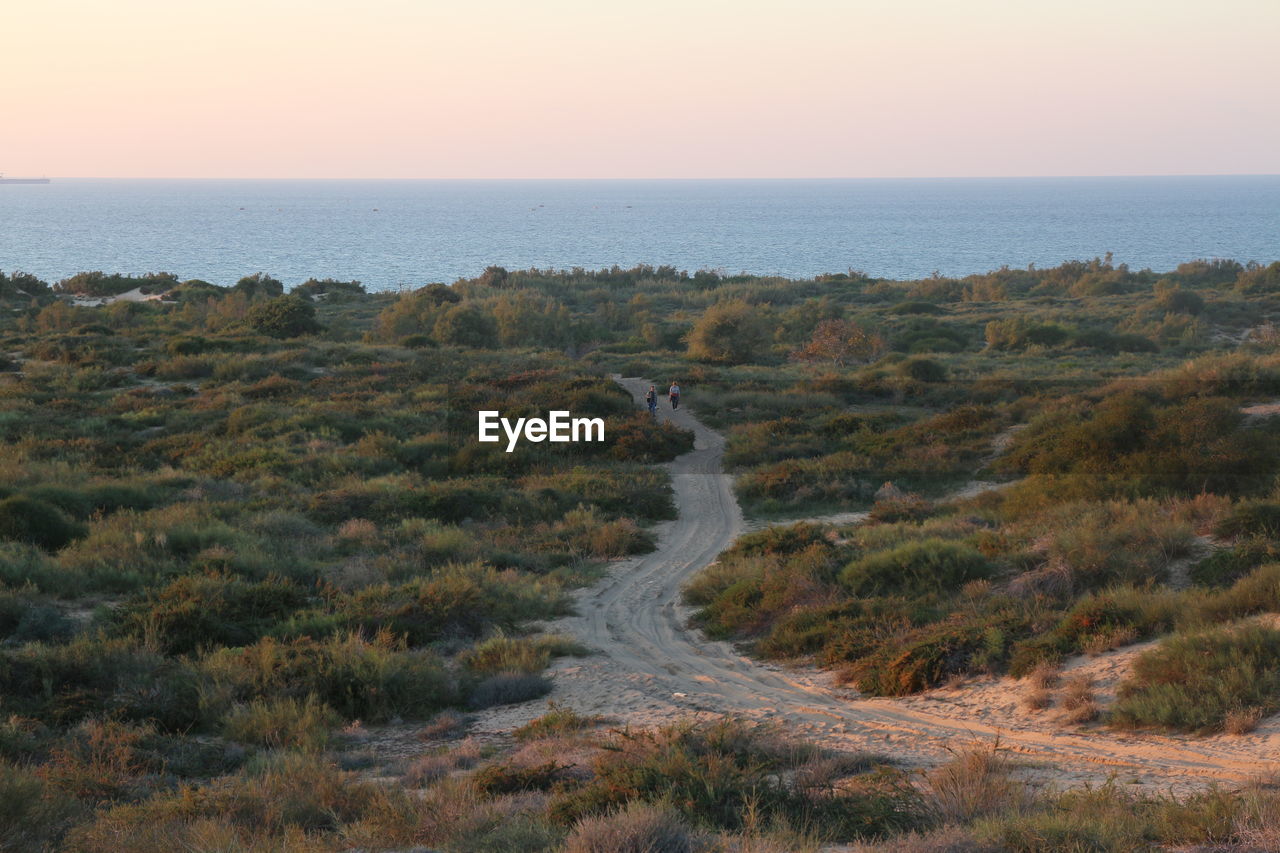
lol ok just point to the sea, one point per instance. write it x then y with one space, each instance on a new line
406 233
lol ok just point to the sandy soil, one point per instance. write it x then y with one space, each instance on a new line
1261 410
135 295
650 669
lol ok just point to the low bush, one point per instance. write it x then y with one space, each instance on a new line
33 814
97 677
1225 566
976 783
501 653
1096 619
282 799
207 611
102 761
26 618
556 722
718 775
281 723
923 370
361 679
915 568
508 779
456 601
1257 519
1192 682
928 656
1112 542
637 828
24 519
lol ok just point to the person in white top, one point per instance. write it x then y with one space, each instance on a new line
674 394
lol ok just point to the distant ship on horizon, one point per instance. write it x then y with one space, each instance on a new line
4 180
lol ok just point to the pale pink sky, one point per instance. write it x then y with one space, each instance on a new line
661 88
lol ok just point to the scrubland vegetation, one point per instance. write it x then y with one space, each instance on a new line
238 526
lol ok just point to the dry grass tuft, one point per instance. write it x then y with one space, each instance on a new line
1256 824
1079 704
1044 676
948 839
445 725
1054 579
436 766
1100 644
1037 699
822 774
635 829
974 784
359 531
1242 721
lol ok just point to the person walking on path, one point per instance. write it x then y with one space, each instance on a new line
674 394
651 400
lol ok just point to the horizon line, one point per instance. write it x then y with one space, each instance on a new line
673 179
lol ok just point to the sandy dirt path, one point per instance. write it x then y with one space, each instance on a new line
650 668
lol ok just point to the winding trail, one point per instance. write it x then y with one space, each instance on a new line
653 669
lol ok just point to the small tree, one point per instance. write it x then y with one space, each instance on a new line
330 290
466 325
260 284
21 285
284 317
1172 299
842 342
729 332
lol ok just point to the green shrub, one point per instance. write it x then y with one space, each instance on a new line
927 656
269 805
1250 518
639 439
33 816
780 540
203 611
923 370
1191 682
466 325
1227 565
25 618
456 601
557 722
96 677
501 653
1256 592
915 568
730 332
1113 542
917 308
286 722
1130 613
362 679
720 775
284 317
1018 333
24 519
496 779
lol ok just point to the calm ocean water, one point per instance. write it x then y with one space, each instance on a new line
390 233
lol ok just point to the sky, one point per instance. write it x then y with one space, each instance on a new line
654 89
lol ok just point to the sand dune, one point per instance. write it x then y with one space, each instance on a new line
652 669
